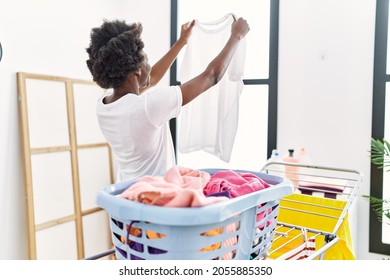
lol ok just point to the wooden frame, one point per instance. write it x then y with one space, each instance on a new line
73 149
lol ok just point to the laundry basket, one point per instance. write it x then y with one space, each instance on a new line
238 228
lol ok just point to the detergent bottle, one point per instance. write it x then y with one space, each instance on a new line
274 164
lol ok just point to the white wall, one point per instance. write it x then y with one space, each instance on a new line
325 83
326 52
50 37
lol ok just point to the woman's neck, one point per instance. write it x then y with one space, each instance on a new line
130 86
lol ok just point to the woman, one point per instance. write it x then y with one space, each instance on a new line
136 125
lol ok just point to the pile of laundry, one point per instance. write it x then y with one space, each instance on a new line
185 187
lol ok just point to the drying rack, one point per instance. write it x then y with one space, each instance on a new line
314 218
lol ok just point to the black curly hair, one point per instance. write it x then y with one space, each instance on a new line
114 52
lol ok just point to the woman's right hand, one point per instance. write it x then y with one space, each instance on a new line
240 28
185 32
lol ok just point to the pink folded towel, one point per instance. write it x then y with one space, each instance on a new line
179 187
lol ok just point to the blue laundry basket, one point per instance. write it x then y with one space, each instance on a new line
229 229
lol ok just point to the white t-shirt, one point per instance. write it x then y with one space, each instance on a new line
210 121
137 129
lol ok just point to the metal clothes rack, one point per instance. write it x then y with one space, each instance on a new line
309 220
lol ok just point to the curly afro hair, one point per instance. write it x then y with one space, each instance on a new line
115 51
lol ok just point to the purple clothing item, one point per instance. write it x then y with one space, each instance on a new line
139 247
329 192
223 193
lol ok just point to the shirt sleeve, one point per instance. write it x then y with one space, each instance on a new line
163 104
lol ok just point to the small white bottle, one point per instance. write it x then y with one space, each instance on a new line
274 164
